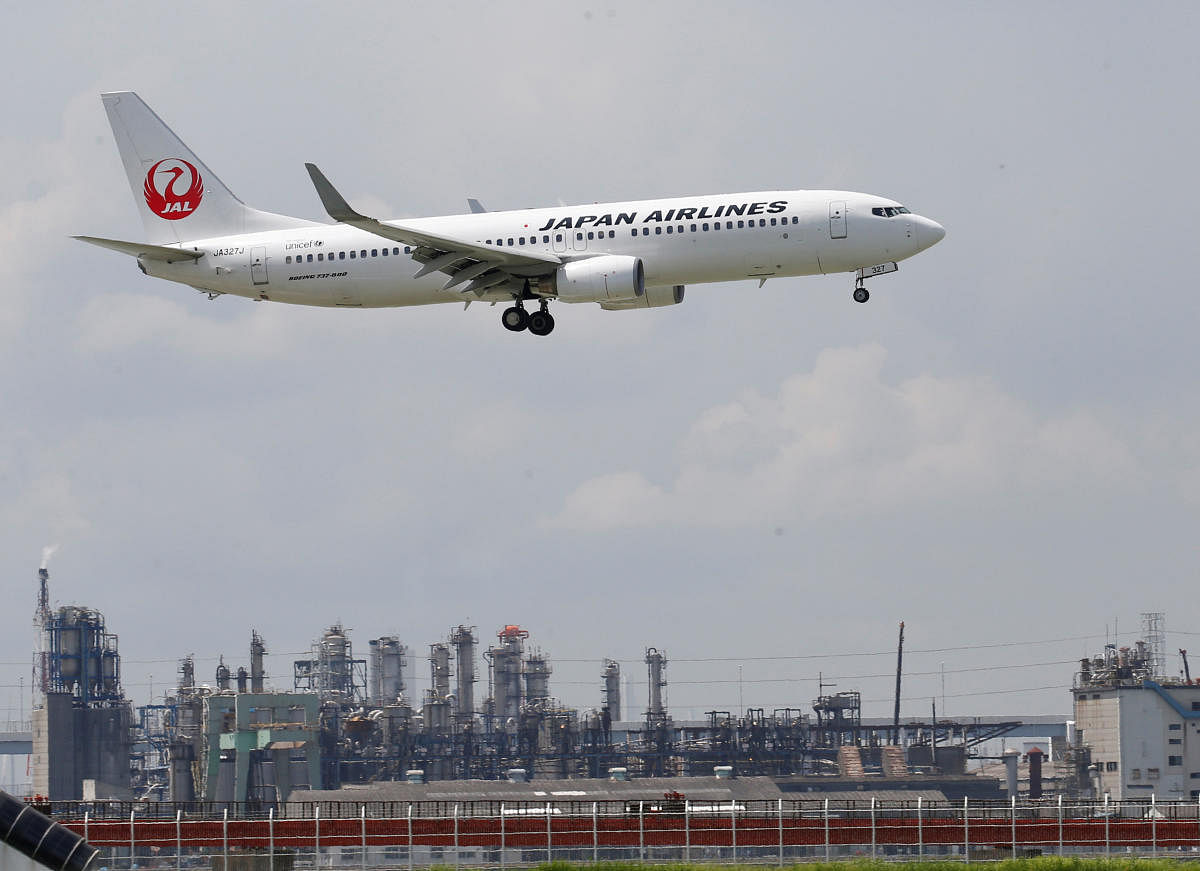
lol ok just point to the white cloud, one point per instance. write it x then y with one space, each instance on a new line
842 440
118 321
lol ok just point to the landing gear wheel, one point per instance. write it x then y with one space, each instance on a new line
515 319
861 294
541 323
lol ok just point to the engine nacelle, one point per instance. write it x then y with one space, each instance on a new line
608 278
654 297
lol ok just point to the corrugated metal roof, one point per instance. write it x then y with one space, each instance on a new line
697 788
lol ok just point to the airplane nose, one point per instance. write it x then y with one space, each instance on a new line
929 233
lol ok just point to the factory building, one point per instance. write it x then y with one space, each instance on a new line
345 721
81 719
1140 728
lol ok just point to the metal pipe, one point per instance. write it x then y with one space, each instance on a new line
44 841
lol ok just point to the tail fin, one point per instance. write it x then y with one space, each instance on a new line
178 197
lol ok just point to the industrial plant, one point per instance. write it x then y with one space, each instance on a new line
490 714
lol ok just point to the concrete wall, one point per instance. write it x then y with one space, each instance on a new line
72 744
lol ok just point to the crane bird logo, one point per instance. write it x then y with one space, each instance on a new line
163 194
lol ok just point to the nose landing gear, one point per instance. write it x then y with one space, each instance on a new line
861 294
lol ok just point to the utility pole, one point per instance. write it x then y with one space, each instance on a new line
899 671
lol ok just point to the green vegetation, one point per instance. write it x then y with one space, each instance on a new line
1048 863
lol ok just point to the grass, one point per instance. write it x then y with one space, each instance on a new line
1047 863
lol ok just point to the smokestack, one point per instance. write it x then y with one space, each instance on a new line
1011 757
1035 773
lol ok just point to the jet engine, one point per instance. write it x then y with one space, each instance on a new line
654 297
608 278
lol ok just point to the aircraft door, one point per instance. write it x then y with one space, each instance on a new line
560 239
837 220
258 265
579 239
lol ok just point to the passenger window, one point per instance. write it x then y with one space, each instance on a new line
795 219
510 241
288 259
645 231
385 252
633 232
741 225
489 241
772 222
396 252
612 234
363 254
670 229
320 257
309 258
579 236
522 240
693 228
729 225
406 250
352 253
374 252
591 235
705 227
341 255
545 240
658 231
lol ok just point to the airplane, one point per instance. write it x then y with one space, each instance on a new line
622 256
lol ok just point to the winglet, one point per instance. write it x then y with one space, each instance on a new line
335 204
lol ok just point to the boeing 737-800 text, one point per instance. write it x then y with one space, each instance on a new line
620 255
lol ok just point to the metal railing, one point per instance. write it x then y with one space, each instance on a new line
399 835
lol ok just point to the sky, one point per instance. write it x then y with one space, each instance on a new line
1000 449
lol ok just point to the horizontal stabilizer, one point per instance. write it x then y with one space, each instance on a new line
143 249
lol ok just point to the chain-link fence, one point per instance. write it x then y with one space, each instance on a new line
396 835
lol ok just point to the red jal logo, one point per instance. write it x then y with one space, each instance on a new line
163 194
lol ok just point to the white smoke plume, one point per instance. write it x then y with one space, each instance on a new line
47 552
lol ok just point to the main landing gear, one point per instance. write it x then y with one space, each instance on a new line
540 322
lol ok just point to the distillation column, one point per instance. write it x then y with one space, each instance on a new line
463 640
656 664
258 649
612 688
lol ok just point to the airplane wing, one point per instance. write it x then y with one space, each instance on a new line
474 266
142 249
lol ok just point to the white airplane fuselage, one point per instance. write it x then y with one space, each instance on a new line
766 234
621 256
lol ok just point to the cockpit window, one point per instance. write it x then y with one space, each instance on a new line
889 211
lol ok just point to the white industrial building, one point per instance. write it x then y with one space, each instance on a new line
1143 733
